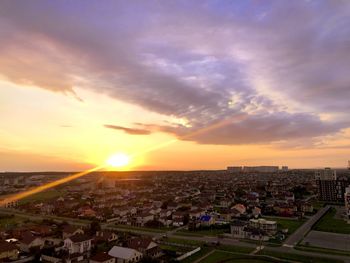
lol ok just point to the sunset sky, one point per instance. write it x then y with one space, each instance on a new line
178 84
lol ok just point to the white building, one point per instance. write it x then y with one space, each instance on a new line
269 226
125 255
78 244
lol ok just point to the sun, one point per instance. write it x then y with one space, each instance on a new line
118 160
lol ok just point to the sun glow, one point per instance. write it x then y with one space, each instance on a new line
118 160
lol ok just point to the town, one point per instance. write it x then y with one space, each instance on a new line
262 213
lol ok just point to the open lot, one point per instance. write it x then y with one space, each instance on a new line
52 193
328 223
327 240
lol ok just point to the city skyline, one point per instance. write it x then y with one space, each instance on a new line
175 85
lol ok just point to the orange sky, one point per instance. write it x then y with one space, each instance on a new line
42 130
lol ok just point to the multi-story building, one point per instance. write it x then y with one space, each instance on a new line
347 202
270 227
326 174
330 189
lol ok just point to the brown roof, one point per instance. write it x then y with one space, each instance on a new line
101 257
79 238
139 243
27 238
7 246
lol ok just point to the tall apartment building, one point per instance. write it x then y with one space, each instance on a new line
330 189
326 174
347 202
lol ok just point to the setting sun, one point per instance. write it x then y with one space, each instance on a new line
118 160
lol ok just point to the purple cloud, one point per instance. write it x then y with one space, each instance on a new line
280 64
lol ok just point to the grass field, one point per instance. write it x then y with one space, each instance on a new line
330 224
52 193
7 221
219 256
322 250
198 255
296 257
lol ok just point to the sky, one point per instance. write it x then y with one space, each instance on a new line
179 85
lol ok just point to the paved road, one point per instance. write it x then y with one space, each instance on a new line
299 234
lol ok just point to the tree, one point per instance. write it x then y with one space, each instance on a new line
94 227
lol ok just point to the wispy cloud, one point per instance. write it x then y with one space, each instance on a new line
132 131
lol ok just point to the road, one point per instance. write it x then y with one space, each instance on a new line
299 234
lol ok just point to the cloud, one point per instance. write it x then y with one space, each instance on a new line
281 65
132 131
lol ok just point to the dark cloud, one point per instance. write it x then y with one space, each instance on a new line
280 64
132 131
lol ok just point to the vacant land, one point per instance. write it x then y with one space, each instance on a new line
52 193
8 221
330 224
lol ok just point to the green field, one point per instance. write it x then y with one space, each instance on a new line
296 257
7 221
330 224
236 249
198 255
52 193
322 250
222 256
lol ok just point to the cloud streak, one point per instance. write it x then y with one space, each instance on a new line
132 131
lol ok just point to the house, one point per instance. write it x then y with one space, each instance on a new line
240 208
270 227
145 245
71 230
106 236
8 251
197 213
29 241
238 229
102 257
78 244
256 212
125 255
143 218
241 229
207 220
